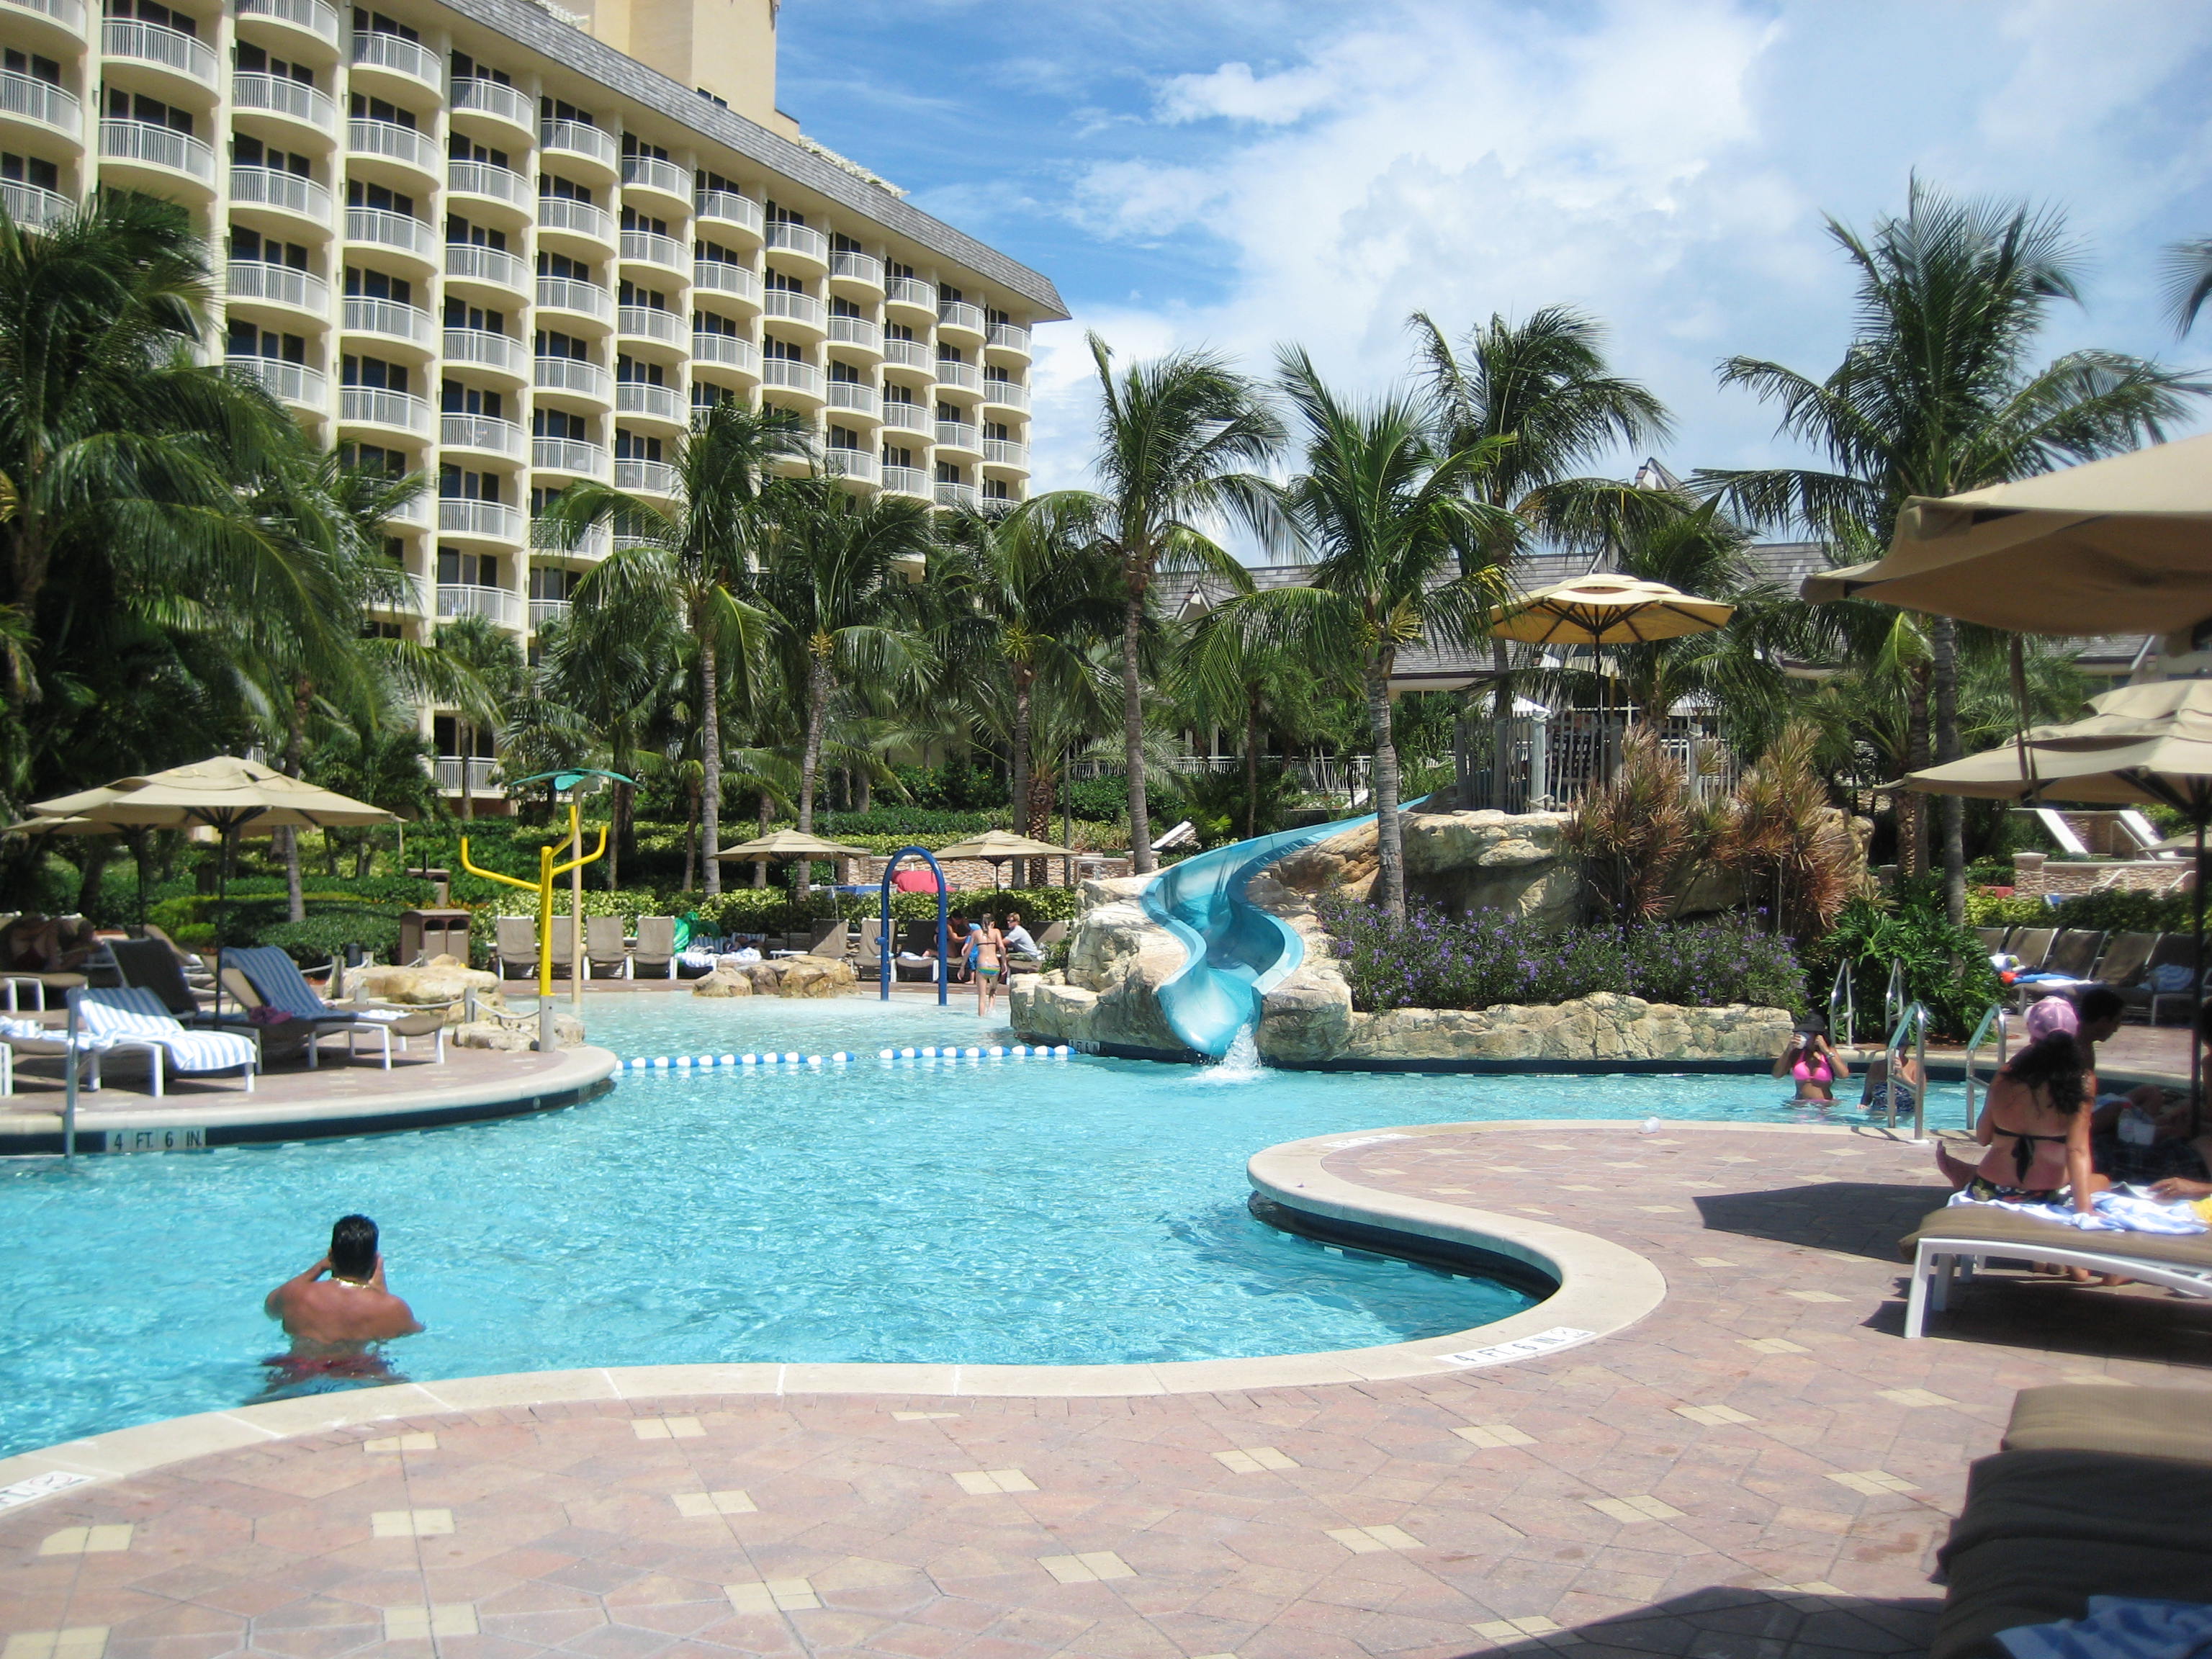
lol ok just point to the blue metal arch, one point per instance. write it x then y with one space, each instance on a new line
883 938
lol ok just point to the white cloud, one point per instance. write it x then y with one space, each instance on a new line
1232 91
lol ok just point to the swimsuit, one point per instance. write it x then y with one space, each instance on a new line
1814 1071
2023 1151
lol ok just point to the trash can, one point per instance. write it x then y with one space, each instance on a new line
429 932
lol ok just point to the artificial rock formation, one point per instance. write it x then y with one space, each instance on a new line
1117 958
568 1033
1459 862
781 976
443 981
1603 1027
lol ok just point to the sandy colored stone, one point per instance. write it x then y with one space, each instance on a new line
724 982
568 1033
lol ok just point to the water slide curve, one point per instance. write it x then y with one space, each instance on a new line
1234 952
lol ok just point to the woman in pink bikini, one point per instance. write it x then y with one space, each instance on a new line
1810 1059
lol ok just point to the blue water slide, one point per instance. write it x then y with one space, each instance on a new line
1234 952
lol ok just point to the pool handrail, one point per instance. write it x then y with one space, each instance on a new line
884 945
1994 1016
1895 997
1914 1018
1843 1009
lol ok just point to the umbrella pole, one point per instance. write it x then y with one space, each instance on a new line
221 909
2196 994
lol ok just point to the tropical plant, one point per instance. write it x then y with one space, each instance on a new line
1634 833
1784 840
2188 281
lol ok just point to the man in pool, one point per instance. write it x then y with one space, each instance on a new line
333 1323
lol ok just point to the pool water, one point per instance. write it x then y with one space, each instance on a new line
1027 1211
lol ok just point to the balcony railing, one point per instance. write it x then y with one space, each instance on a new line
1006 452
1007 394
415 510
592 544
1009 336
31 207
721 277
490 521
315 16
912 291
578 218
482 432
280 94
728 351
960 435
574 375
488 351
910 353
576 455
647 477
650 323
956 494
394 143
157 43
858 331
293 383
911 418
257 279
958 313
149 145
390 319
42 101
575 138
374 405
376 49
266 187
566 293
730 209
472 262
482 179
650 248
660 402
394 230
804 240
906 481
651 173
478 770
854 395
67 13
950 371
801 309
857 267
852 463
474 94
493 604
791 375
548 613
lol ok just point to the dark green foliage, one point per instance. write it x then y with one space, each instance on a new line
314 942
1945 967
956 786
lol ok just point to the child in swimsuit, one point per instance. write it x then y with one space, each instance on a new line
1810 1059
987 953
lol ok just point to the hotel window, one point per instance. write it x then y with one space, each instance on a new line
630 146
376 459
466 68
362 195
456 485
255 248
783 215
253 60
553 581
651 298
841 306
460 147
777 280
149 11
559 109
30 170
560 265
363 283
552 184
247 341
460 230
713 322
551 342
365 22
844 437
637 373
631 447
127 106
716 253
373 372
457 568
897 455
633 220
947 472
997 490
456 398
460 313
362 107
560 423
789 353
844 373
253 153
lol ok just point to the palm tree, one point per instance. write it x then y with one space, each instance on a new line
1389 517
696 557
2188 281
1175 437
490 658
1937 393
1231 677
1543 387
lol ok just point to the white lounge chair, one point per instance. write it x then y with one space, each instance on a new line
656 945
606 954
1960 1237
138 1016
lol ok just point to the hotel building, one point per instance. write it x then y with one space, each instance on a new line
513 247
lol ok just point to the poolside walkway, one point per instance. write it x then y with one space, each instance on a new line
1759 1469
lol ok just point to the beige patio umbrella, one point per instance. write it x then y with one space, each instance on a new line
998 845
2117 546
792 844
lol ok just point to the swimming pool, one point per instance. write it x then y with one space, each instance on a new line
1035 1212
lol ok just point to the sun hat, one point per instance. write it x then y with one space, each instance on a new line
2048 1015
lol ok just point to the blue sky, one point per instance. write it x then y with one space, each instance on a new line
1242 174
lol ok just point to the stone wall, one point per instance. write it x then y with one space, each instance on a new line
1460 862
2034 874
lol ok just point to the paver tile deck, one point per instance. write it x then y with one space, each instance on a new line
1762 1467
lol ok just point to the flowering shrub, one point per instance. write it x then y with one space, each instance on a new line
1433 960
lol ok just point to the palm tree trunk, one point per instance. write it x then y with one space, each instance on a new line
819 687
1389 842
296 743
1943 640
1251 764
1501 711
710 756
767 817
1018 784
1133 732
1912 824
467 746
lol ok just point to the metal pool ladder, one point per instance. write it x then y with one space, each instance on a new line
1995 1017
1912 1021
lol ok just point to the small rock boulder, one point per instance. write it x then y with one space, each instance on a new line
730 982
568 1033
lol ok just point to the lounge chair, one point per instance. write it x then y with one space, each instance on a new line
869 943
27 1039
2125 956
136 1017
824 938
2145 997
563 934
2031 946
606 953
149 964
517 945
1992 939
278 979
1963 1236
655 947
2074 952
1052 935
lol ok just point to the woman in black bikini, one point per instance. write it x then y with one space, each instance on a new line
2036 1125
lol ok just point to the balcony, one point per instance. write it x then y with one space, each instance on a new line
453 768
910 353
1006 452
802 309
958 435
574 456
854 464
484 433
1006 394
65 15
404 146
572 375
850 265
643 398
565 216
912 293
280 94
286 193
724 351
289 383
853 395
391 321
911 418
857 331
157 46
415 512
959 495
584 299
717 208
667 328
787 374
136 144
591 544
650 247
494 605
493 184
396 411
31 208
479 347
314 17
547 613
650 172
467 262
802 243
29 99
396 231
1008 337
278 285
906 481
645 478
484 522
472 94
573 141
402 594
961 317
375 51
721 277
952 372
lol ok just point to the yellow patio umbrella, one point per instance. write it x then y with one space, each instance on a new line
998 845
2118 546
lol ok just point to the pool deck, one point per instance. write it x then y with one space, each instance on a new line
1760 1468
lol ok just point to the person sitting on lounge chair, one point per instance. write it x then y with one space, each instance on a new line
2141 1139
2035 1124
1018 942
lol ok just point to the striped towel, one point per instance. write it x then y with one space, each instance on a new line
134 1013
274 973
29 1030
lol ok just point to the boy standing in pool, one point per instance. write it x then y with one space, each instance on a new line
341 1316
